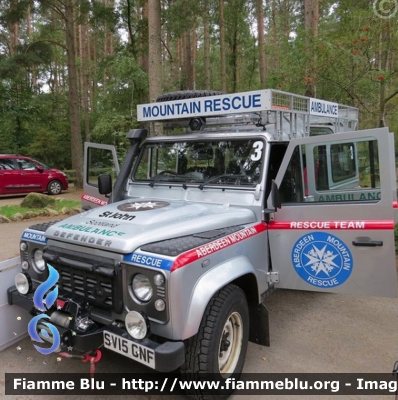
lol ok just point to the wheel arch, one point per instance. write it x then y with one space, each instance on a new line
237 271
248 283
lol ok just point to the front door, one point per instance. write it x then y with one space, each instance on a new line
342 239
98 159
31 179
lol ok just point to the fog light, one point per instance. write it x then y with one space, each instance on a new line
136 325
38 261
23 283
160 305
23 246
159 280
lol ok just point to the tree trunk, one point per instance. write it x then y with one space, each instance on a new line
154 53
311 17
73 97
194 56
275 37
188 61
144 54
179 62
260 35
206 44
29 34
222 48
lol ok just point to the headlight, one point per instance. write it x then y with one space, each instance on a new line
136 325
38 261
142 288
23 283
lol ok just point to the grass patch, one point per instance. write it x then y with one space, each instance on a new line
10 211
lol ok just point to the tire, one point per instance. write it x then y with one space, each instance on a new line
187 94
210 351
54 187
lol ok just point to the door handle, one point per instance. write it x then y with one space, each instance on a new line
366 242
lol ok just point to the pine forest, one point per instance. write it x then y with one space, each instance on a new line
74 70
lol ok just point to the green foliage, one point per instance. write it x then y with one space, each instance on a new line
37 200
347 62
31 212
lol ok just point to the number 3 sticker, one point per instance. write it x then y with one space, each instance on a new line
258 147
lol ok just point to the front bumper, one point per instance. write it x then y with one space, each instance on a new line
167 356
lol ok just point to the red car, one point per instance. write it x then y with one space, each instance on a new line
19 174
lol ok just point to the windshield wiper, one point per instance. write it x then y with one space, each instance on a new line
160 178
154 181
214 178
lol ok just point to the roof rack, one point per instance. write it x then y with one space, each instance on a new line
284 115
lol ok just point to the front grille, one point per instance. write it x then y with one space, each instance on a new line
97 280
96 289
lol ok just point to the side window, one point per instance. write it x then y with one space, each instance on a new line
7 164
26 164
291 189
333 172
343 161
99 161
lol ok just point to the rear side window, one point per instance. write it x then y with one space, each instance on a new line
6 164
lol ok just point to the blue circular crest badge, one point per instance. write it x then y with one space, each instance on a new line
322 260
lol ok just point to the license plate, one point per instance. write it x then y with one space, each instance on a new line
130 349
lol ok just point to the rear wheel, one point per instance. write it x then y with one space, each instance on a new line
220 345
54 187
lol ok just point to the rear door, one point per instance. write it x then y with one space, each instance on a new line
343 242
98 159
10 177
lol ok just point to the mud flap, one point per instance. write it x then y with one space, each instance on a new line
259 324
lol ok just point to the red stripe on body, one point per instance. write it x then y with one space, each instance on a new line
217 245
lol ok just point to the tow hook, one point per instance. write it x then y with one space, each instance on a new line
92 359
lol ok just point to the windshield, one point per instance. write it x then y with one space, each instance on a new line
232 162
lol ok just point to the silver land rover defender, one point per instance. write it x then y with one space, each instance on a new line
172 265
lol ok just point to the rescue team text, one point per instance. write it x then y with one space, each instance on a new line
327 225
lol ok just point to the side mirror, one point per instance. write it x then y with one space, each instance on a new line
40 168
105 184
276 198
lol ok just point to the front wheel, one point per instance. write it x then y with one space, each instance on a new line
54 187
220 345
